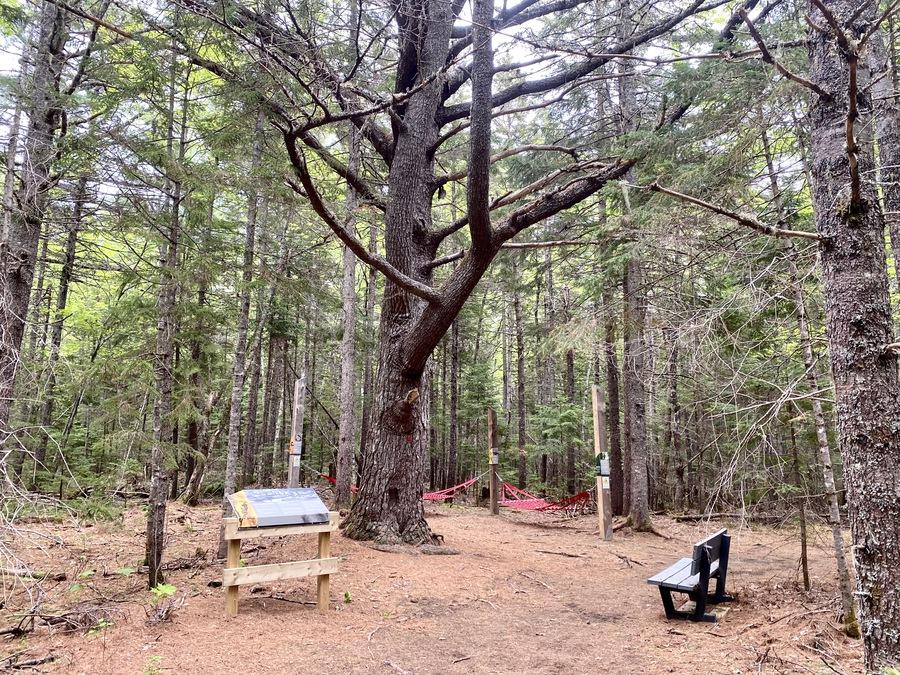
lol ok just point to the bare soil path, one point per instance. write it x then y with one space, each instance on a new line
527 593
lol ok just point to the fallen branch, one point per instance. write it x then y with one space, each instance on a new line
23 572
562 553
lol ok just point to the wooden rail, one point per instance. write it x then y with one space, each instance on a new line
322 567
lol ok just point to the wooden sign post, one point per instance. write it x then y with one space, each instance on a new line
601 454
493 460
296 446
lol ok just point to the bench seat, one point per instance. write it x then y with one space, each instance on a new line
678 577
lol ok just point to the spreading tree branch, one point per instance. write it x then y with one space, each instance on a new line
417 288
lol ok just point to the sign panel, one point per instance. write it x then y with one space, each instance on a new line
280 506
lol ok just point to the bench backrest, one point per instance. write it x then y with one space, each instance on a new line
712 544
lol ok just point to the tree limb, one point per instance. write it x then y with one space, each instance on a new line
740 218
528 87
374 260
766 56
479 179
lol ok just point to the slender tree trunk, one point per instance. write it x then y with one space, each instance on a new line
520 377
616 476
199 376
809 362
672 440
454 404
62 295
251 454
344 476
19 246
368 370
570 398
801 495
859 323
205 445
240 345
163 361
635 313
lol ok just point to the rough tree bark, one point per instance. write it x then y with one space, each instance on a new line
887 130
616 475
344 473
858 314
368 369
163 359
636 395
19 246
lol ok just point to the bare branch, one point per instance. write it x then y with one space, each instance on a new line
766 56
505 154
742 219
538 86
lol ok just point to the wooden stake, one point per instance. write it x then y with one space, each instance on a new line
604 501
232 560
493 460
323 581
296 447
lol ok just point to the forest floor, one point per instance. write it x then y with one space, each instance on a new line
526 593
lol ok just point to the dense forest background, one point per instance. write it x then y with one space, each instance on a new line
184 279
729 410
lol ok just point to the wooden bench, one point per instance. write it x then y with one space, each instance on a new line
692 575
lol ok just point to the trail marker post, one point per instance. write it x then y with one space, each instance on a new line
296 446
493 460
601 454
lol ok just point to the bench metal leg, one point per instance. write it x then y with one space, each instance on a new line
668 605
699 613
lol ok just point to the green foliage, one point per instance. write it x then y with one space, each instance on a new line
162 591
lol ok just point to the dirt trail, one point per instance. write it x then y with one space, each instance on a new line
526 593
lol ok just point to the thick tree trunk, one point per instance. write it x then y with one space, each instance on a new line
634 373
389 505
860 328
616 476
62 296
19 246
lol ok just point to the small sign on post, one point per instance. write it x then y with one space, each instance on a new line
601 454
296 445
493 460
